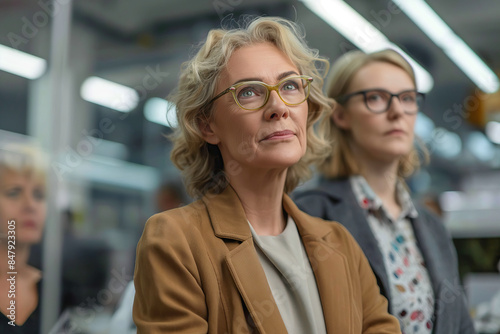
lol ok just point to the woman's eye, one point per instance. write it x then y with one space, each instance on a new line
39 194
374 97
290 86
409 98
247 93
12 193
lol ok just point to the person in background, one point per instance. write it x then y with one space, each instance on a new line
372 134
243 258
22 217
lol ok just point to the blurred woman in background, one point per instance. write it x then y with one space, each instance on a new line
243 258
22 218
409 249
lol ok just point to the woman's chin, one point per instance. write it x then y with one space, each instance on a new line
392 153
29 239
283 160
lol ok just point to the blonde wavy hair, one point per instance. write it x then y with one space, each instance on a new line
201 163
340 161
24 158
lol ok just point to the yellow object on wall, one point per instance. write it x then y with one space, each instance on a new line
483 108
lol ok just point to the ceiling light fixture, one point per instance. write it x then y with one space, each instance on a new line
109 94
493 131
453 46
160 111
21 63
363 34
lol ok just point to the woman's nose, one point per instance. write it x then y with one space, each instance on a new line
276 108
29 202
395 107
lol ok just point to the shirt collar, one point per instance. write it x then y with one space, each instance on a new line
404 198
230 222
368 200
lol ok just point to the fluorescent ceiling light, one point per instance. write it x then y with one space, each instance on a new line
160 111
363 34
453 46
109 94
20 63
493 132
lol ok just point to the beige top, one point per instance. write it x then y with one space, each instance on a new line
291 280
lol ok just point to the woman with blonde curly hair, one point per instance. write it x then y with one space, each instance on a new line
243 258
372 135
23 209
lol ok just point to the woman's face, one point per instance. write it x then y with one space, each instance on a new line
22 199
383 137
273 137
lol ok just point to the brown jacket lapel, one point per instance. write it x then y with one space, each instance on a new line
229 222
251 281
330 266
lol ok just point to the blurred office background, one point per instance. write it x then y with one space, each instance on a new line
90 85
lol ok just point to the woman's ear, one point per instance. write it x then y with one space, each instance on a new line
340 117
207 132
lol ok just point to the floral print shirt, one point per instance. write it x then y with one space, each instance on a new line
412 297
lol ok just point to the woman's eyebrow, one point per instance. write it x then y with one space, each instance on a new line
286 74
281 76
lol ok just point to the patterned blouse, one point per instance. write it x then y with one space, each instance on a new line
411 294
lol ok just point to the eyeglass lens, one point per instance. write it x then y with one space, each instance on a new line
379 101
254 95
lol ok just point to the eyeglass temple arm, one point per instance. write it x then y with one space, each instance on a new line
343 98
220 94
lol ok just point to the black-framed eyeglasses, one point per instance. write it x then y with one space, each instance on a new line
379 100
253 95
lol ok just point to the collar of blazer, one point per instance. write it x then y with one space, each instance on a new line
227 215
229 222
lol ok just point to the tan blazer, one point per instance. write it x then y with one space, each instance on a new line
197 271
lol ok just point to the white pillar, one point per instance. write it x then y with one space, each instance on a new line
50 126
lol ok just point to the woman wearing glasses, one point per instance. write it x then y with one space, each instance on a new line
243 258
372 131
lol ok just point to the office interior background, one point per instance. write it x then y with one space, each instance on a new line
90 85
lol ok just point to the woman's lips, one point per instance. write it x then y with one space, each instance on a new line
30 224
280 135
395 132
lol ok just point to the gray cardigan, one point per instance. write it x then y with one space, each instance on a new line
335 200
